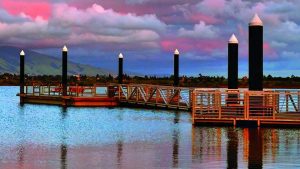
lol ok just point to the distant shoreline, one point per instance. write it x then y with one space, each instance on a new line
270 82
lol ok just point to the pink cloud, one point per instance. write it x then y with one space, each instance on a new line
216 4
33 8
206 18
269 52
186 45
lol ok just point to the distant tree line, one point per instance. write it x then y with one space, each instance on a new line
7 79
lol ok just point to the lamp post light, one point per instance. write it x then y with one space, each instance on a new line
256 54
22 71
233 48
64 80
176 67
120 76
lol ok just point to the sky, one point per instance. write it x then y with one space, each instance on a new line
148 31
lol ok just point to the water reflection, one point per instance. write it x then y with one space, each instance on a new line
63 146
245 147
175 141
64 112
38 136
120 152
255 157
20 152
20 147
232 149
63 156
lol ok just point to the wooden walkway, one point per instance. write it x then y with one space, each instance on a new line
156 96
235 107
111 95
230 107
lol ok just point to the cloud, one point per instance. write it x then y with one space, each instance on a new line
204 46
290 54
32 8
287 31
211 7
75 26
276 44
136 1
200 30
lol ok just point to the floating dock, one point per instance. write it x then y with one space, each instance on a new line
208 106
244 108
110 95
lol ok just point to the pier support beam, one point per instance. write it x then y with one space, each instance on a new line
22 72
176 68
120 76
233 46
22 76
64 80
256 54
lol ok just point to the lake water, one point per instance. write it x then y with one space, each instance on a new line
39 136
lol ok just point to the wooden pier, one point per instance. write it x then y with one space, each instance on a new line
110 95
218 107
237 107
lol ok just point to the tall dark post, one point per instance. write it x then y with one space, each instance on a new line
233 47
120 76
176 68
22 70
64 80
256 54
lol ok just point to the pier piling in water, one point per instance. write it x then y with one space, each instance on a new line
64 80
176 68
256 54
120 76
233 46
22 72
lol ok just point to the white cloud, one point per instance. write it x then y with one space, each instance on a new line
290 54
81 26
136 1
200 30
276 44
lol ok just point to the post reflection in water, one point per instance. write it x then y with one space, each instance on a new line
232 148
63 156
21 147
208 145
120 152
175 136
64 112
255 158
20 152
120 143
63 146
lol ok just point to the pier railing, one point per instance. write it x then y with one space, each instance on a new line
204 103
155 95
76 90
140 94
244 105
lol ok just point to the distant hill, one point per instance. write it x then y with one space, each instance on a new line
41 64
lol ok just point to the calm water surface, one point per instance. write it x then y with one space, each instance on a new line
38 136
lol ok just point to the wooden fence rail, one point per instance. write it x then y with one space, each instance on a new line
245 105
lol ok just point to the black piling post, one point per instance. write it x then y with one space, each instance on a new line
22 72
176 68
233 46
64 80
256 54
120 76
